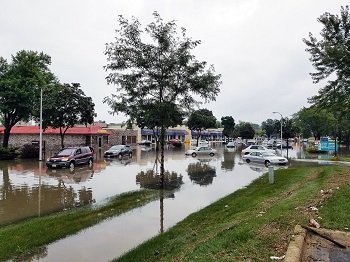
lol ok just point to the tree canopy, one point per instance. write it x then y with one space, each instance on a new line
271 127
330 57
156 76
20 83
229 125
317 121
66 105
244 130
201 120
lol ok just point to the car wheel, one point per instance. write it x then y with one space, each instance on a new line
247 160
71 165
120 156
267 163
211 154
194 154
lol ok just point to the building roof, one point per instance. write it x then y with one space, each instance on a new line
77 130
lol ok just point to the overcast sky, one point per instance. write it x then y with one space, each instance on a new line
255 45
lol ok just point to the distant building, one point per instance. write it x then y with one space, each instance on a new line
93 136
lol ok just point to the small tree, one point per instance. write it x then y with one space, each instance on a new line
201 120
229 126
157 77
269 127
244 130
65 106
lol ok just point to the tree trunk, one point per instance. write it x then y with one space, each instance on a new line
62 138
162 136
5 142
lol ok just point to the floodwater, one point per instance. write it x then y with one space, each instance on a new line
28 189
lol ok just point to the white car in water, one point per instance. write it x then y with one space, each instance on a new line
257 148
201 150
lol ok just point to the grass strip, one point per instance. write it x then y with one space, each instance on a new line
255 222
27 237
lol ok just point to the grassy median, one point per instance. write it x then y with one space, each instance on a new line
255 222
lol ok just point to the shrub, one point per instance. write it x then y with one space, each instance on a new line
29 151
8 153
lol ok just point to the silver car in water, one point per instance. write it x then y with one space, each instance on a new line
201 150
266 158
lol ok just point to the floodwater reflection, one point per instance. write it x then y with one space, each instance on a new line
201 172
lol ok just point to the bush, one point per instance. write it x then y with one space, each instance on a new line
8 153
29 151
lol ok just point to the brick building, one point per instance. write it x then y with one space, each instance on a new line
94 136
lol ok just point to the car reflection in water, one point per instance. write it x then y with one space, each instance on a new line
261 168
76 175
71 198
126 160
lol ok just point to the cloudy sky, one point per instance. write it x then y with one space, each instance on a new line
256 45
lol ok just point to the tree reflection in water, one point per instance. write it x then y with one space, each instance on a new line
201 172
21 202
228 162
151 179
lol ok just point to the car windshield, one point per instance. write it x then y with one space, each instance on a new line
66 152
116 147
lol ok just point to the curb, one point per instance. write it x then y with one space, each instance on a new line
296 245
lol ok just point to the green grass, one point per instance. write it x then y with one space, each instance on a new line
28 237
256 222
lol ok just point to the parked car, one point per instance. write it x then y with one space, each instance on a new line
231 144
267 158
175 142
145 143
201 150
118 151
71 156
257 148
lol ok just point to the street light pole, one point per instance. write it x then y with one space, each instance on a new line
41 127
281 129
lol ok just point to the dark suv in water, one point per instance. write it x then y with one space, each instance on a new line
71 156
118 151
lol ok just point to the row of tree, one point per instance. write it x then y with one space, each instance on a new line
27 78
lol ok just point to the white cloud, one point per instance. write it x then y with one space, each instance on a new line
255 45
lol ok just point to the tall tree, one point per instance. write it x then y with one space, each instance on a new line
201 120
229 125
20 83
244 130
270 127
314 120
156 73
330 56
65 106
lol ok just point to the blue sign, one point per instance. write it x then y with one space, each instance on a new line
325 145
